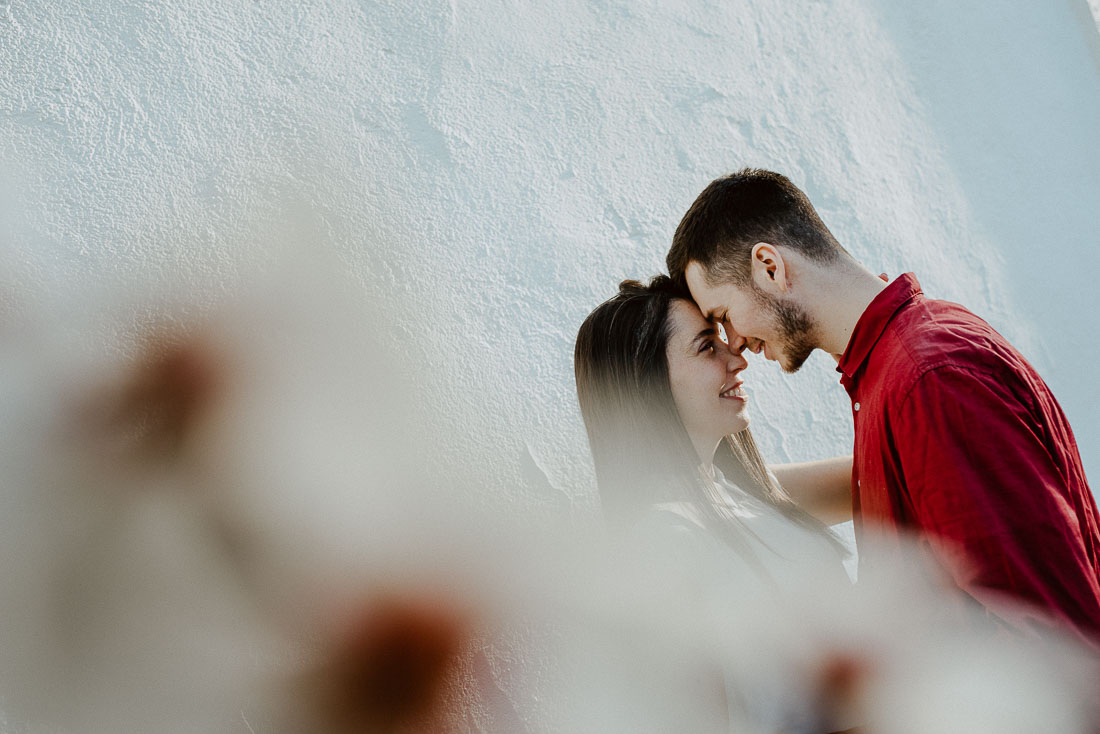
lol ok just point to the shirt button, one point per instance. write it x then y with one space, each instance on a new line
856 406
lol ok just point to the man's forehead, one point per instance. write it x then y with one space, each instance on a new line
696 278
695 273
707 301
712 298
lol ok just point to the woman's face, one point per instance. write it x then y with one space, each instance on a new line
704 377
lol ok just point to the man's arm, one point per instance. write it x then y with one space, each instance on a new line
989 497
822 488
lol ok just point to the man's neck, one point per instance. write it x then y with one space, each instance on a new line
842 294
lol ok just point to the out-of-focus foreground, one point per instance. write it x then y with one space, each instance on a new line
297 507
231 518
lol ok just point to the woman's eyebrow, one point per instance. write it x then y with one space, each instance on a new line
705 333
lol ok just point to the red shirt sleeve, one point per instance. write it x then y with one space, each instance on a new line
988 494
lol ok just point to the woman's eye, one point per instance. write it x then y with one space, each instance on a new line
706 347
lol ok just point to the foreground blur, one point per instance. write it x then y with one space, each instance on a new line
225 519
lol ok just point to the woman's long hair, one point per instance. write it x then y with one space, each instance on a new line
641 451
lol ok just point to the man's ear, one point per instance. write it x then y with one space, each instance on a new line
769 269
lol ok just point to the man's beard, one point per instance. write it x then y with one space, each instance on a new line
797 330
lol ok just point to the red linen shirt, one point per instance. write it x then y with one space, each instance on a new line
958 440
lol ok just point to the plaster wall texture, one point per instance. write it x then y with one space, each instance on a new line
495 168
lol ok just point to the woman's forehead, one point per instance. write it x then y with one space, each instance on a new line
686 320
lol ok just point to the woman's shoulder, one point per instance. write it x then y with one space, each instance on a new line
683 514
676 530
676 524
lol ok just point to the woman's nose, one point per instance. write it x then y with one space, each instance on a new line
737 362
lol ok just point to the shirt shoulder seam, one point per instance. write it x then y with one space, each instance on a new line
939 367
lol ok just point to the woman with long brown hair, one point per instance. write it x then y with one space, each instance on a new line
664 406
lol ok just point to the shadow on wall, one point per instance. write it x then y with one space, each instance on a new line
1021 140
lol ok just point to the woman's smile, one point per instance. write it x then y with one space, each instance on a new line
734 392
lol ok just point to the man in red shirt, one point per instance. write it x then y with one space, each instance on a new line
957 438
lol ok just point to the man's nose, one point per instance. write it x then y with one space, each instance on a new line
736 341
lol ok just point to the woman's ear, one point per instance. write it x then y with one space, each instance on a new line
769 269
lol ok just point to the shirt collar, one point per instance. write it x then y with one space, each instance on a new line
873 322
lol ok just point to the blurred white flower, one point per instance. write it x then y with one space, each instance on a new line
229 517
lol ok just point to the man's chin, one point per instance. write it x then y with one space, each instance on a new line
793 363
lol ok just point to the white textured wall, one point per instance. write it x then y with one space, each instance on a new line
496 168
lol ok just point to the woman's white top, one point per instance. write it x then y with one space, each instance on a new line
801 565
790 553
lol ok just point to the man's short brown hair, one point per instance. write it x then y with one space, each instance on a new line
735 212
